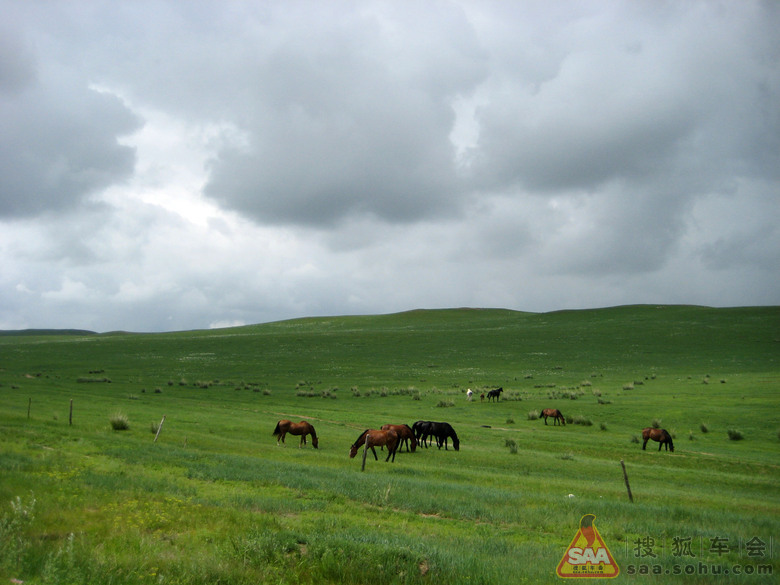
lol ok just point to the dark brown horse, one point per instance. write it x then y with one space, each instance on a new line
373 438
662 436
405 435
495 394
556 414
420 430
301 428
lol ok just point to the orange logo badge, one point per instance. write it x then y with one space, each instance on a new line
588 555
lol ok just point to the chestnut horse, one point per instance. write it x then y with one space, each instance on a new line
302 428
661 435
373 438
555 413
405 435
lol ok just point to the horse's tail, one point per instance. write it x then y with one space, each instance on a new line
277 430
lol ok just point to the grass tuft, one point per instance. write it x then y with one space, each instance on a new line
735 435
120 422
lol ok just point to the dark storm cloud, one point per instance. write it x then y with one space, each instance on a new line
353 118
58 143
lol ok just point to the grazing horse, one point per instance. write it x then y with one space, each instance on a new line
372 438
420 429
556 414
495 394
405 435
442 431
661 435
302 428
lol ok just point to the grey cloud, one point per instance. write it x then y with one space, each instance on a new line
350 123
17 62
58 144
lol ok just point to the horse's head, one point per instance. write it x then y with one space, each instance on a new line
314 442
353 451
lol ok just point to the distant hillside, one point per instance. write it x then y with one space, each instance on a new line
20 332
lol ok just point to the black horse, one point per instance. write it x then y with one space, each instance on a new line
442 431
420 430
495 394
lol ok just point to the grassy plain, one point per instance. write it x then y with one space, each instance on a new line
215 500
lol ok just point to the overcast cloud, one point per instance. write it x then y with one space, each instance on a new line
180 165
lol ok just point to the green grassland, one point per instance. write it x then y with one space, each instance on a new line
215 500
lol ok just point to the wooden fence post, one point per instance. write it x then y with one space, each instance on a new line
159 428
625 477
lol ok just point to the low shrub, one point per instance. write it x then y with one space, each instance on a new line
533 414
735 435
704 428
511 444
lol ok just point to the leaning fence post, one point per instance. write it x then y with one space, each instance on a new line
625 477
159 428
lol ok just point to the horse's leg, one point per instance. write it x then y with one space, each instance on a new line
374 452
545 418
391 449
644 445
660 444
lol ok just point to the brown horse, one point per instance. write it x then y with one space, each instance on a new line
373 438
302 428
405 435
555 413
662 436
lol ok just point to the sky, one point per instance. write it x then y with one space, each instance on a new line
169 165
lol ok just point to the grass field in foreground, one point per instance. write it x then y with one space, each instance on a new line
215 500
